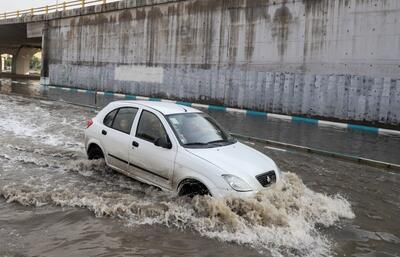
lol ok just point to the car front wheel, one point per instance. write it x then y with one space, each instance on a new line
191 188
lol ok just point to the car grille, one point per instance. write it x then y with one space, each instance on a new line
266 178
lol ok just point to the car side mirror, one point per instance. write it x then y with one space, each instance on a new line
163 142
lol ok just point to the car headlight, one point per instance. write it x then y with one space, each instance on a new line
237 183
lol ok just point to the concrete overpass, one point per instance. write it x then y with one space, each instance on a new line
335 59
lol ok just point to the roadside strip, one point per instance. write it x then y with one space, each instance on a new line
294 119
346 157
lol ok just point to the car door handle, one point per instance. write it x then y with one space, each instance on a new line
104 132
135 144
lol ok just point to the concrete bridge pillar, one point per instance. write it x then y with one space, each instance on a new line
22 60
44 74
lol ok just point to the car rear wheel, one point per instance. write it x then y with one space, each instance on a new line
95 152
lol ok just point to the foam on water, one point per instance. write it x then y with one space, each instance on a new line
283 219
36 123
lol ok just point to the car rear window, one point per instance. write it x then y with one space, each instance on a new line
108 120
124 119
121 119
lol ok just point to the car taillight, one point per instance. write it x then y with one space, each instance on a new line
89 123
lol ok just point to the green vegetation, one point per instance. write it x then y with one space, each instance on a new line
35 63
8 61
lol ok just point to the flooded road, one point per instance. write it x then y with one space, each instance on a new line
56 203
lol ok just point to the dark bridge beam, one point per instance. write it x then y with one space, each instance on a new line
15 35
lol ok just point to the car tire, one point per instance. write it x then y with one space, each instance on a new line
95 152
191 188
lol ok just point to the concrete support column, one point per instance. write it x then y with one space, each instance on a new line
2 64
14 64
22 61
44 75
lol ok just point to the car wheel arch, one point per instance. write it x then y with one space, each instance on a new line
191 187
94 145
195 178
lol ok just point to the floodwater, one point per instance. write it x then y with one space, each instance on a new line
54 202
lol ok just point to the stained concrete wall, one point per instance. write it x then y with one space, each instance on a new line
331 58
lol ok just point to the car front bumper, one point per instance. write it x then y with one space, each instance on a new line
223 193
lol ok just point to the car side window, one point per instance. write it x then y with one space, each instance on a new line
124 118
108 120
150 127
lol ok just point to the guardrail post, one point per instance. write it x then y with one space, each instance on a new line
83 3
31 11
46 9
104 1
64 6
18 13
5 15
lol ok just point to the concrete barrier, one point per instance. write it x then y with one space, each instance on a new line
333 59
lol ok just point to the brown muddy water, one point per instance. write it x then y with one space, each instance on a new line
54 202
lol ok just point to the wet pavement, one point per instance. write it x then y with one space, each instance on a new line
351 142
56 203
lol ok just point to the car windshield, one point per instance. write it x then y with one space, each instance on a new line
198 130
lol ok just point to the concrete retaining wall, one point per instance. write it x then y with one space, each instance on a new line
330 58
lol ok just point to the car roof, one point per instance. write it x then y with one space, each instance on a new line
163 107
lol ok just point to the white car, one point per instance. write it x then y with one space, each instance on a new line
176 148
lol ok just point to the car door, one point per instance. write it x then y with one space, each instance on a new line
155 164
116 138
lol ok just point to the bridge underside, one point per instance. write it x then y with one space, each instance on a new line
17 43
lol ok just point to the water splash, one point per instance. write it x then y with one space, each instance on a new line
282 219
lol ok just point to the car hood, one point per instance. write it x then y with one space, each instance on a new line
237 159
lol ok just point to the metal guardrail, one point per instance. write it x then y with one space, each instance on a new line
62 6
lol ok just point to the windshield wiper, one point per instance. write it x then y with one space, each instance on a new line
218 141
208 143
197 143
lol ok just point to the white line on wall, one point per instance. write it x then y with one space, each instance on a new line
139 73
